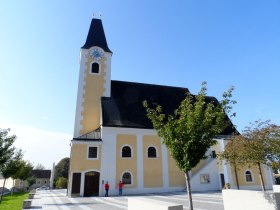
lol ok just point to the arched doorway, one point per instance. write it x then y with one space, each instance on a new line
91 187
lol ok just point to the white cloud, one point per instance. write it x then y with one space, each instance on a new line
40 146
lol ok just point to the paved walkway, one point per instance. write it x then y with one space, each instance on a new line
57 200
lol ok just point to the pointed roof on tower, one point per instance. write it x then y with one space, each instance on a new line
96 36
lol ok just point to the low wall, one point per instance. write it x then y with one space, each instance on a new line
140 203
276 188
26 204
250 200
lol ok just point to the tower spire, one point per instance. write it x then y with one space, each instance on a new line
96 36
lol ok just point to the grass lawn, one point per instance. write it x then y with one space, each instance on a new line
13 202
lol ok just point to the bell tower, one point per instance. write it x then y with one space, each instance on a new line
94 79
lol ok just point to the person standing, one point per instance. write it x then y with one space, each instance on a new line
107 186
120 188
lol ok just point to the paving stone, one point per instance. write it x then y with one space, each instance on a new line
57 200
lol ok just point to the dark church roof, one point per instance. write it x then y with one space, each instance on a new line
42 174
96 36
125 109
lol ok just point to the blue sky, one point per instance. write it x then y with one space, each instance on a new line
179 43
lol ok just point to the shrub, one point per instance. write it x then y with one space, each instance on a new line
61 183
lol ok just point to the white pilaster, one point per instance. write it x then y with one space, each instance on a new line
80 99
69 192
107 84
108 162
82 187
226 166
140 162
165 174
269 177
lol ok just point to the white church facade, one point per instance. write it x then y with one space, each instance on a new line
114 140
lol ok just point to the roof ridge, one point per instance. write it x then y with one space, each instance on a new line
140 83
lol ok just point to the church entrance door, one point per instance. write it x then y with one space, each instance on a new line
76 183
91 184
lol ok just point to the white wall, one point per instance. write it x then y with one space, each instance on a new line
8 183
249 200
212 169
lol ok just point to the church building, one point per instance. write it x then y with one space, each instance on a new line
115 141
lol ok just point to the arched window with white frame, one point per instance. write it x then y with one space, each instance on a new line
126 152
152 152
127 178
248 176
95 68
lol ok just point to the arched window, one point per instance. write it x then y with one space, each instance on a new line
126 152
95 68
152 152
248 176
126 178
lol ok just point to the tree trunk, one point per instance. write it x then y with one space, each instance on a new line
236 178
261 176
188 184
2 190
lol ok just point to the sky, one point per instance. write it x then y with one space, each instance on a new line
177 43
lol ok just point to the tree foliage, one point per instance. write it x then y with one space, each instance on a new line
39 166
258 144
11 167
262 145
6 146
61 169
231 154
190 131
31 180
61 183
262 142
25 171
275 165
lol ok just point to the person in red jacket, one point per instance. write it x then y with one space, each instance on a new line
120 187
107 186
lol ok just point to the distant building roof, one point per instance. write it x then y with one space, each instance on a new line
96 36
42 174
125 106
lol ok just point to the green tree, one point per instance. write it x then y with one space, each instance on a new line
17 168
6 146
190 131
61 169
262 145
61 183
11 168
25 170
31 180
232 154
259 144
275 165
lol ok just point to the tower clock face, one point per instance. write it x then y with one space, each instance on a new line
96 54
